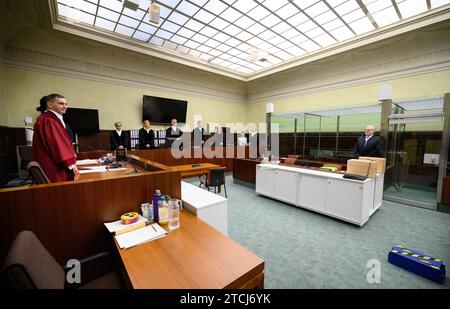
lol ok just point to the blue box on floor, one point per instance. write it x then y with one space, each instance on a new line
418 263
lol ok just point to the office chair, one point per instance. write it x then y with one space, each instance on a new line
36 172
290 161
30 266
26 155
215 178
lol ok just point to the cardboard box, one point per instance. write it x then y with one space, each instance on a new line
362 167
381 163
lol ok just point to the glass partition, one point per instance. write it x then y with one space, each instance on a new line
325 135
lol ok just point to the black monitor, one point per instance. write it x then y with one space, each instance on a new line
82 120
162 110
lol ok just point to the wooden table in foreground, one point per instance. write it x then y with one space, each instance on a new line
195 256
188 170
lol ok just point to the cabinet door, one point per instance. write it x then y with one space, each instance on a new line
265 180
312 192
286 186
345 199
378 198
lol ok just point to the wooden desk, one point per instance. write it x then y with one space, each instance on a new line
195 256
245 170
188 170
111 173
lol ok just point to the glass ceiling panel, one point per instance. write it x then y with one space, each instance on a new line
223 32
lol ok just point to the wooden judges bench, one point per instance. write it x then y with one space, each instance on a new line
68 217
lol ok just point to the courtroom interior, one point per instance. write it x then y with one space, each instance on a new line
224 144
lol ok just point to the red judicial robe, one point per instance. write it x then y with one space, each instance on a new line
52 147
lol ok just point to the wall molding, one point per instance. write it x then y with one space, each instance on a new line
411 66
49 63
41 62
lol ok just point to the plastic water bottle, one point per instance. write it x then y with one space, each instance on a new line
174 214
156 199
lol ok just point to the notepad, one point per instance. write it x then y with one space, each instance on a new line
118 225
140 236
91 171
95 168
86 162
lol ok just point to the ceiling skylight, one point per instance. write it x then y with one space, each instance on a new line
222 32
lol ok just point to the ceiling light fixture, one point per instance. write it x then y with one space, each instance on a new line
153 12
256 54
131 4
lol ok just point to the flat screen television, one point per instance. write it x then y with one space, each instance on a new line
162 110
82 120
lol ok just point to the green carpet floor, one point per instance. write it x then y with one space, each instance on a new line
304 249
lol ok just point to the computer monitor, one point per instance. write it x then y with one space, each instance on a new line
121 154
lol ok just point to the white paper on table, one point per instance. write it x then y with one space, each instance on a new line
86 162
140 236
95 168
117 169
91 171
117 225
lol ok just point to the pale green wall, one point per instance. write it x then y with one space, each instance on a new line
114 102
420 86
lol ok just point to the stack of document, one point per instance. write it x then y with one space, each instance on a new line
118 225
93 169
139 232
86 162
140 236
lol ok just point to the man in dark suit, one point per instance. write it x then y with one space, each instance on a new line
146 136
118 138
369 145
218 137
199 135
172 133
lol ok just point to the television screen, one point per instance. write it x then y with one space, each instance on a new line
82 120
162 110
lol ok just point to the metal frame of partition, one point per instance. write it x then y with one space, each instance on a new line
444 147
338 113
396 117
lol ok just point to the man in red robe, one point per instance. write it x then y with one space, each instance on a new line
52 147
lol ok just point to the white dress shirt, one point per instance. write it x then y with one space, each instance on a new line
60 117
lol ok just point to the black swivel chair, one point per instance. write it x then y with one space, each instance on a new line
215 178
36 173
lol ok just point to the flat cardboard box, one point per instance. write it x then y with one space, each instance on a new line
381 163
362 167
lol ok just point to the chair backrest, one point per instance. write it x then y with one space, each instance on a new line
26 155
216 177
36 172
30 266
289 161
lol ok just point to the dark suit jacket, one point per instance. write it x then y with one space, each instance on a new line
146 139
373 148
198 136
116 140
219 138
171 136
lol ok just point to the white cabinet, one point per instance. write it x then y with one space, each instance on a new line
312 192
344 199
265 180
378 197
211 208
286 186
328 193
